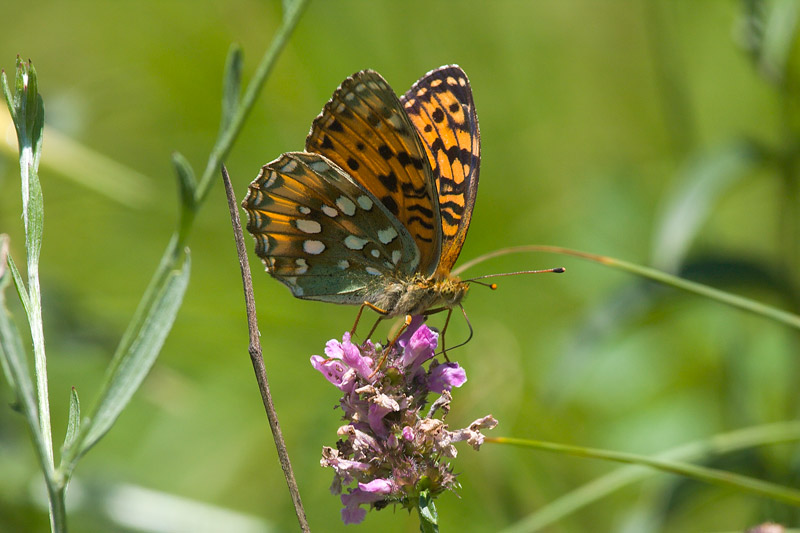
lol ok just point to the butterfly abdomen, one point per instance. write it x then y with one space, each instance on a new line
418 294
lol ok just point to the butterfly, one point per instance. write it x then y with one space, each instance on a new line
376 209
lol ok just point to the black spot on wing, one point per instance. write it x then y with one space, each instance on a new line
389 181
390 204
385 152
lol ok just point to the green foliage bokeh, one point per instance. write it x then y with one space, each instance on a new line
590 114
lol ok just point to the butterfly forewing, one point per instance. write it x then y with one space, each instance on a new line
364 130
441 107
321 233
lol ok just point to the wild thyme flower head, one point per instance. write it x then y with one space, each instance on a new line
392 447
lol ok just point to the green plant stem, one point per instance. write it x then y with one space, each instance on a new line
733 300
223 145
17 369
40 361
718 477
34 308
768 434
57 494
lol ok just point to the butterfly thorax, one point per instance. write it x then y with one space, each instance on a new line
417 294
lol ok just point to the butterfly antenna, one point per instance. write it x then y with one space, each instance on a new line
557 270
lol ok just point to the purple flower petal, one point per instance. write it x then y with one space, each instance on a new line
352 356
332 369
373 491
375 418
378 486
421 347
445 377
333 349
416 322
353 515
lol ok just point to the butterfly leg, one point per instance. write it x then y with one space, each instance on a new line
446 322
375 308
444 329
386 350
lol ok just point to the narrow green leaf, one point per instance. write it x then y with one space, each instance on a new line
8 96
15 365
135 362
231 86
74 423
694 196
34 219
19 284
186 180
428 517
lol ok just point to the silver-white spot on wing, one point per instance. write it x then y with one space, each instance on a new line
319 166
346 205
354 243
313 247
308 226
387 235
365 202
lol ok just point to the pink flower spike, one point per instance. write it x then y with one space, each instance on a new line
352 356
332 369
445 377
378 486
353 514
421 347
333 349
416 322
371 492
375 418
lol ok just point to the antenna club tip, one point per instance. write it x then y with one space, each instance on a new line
559 270
493 286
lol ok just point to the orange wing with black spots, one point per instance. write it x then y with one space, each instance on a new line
364 130
441 107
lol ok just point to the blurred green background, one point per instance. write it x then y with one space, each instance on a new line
596 117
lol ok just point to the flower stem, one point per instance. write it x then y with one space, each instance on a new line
733 300
773 491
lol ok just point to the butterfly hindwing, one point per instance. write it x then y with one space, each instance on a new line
364 130
321 233
441 107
